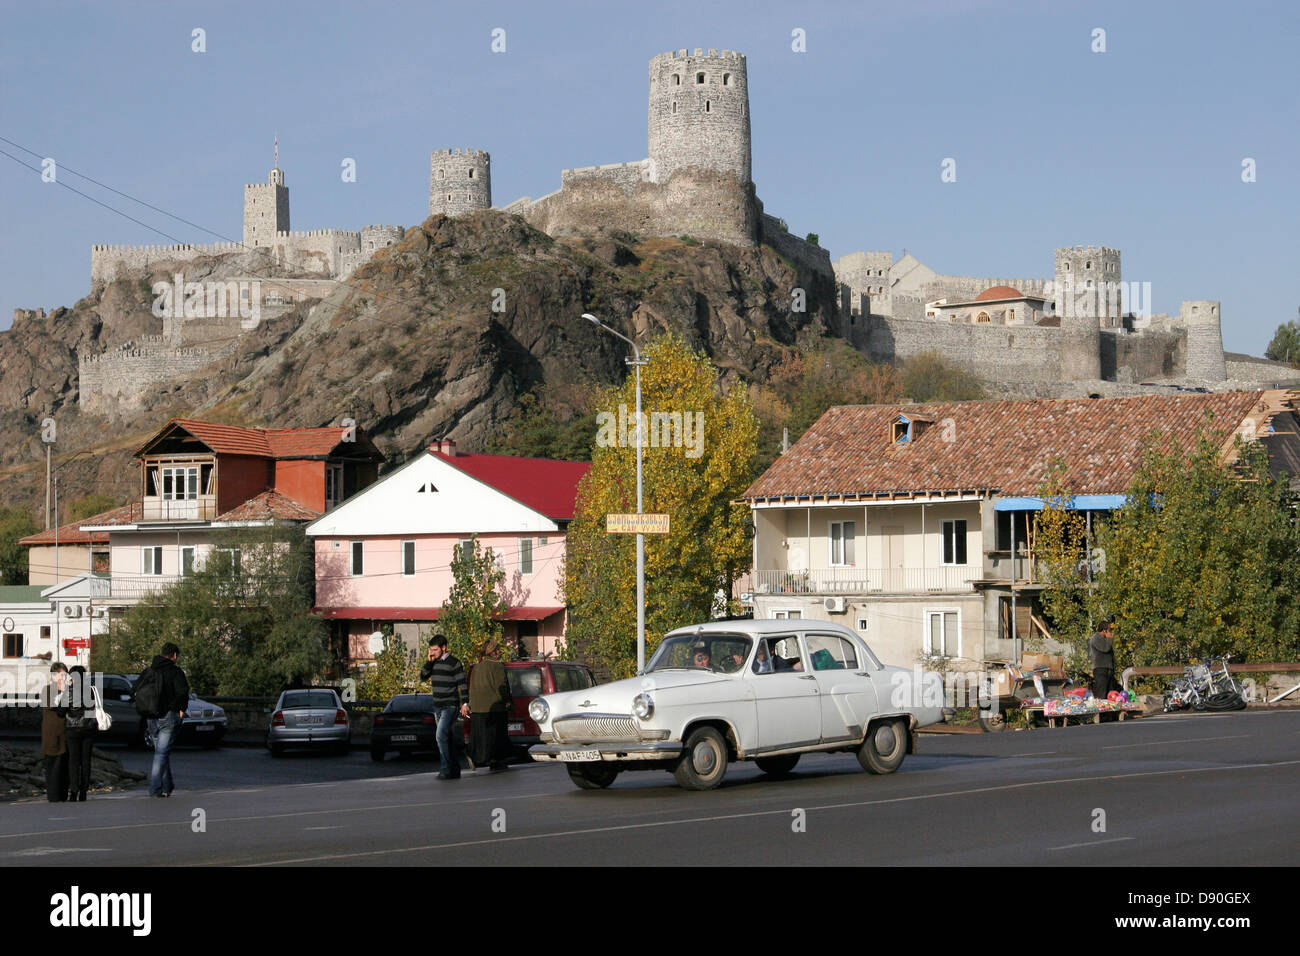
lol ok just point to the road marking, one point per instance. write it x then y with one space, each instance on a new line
1071 846
338 827
1036 753
784 811
49 850
1181 740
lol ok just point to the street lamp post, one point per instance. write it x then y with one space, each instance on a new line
636 362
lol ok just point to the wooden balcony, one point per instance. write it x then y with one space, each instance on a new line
202 508
867 580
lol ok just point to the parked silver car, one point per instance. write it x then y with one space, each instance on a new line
311 717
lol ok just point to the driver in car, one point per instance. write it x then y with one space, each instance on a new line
701 658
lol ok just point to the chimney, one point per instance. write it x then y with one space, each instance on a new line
446 446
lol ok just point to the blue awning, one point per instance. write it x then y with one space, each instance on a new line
1077 503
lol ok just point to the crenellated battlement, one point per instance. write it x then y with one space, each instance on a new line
211 248
713 54
1092 250
480 153
313 233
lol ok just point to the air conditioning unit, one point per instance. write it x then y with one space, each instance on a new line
69 610
835 605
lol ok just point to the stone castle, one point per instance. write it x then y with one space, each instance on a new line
1034 334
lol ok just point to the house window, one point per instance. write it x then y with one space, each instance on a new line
408 559
787 614
842 537
333 485
954 541
358 564
99 562
45 632
1004 520
13 645
465 549
541 542
231 560
982 317
901 431
525 555
151 560
943 633
187 561
180 484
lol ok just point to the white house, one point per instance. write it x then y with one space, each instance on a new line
57 622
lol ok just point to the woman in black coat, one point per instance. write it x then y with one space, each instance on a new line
81 730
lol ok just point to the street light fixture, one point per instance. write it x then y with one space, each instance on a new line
636 362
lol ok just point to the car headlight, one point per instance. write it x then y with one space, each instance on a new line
643 706
538 710
219 712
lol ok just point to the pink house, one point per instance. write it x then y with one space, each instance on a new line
384 555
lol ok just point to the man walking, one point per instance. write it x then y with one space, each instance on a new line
162 693
450 695
1103 660
489 699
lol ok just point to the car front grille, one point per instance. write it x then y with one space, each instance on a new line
578 729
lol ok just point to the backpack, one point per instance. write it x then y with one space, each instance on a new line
149 693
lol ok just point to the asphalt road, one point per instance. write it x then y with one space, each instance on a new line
1182 790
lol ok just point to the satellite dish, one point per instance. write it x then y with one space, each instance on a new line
376 642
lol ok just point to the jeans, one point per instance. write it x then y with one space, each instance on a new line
164 731
446 745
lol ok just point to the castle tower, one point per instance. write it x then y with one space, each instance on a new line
460 181
266 210
1204 341
1088 282
699 113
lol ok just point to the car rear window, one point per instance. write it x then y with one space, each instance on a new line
410 703
309 699
571 678
524 681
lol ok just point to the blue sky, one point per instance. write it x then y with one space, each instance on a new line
1139 147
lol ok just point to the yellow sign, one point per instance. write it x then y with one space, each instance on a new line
636 524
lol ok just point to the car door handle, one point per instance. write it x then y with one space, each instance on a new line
809 677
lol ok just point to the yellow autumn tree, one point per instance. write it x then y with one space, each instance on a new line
698 457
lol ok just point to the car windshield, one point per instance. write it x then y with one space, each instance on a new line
719 653
307 699
409 703
524 681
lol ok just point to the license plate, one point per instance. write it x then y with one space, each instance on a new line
516 728
573 756
314 720
403 738
206 727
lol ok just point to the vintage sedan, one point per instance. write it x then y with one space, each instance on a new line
767 691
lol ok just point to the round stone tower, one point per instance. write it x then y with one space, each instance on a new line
460 181
1205 361
376 237
699 113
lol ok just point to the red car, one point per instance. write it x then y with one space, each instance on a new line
529 679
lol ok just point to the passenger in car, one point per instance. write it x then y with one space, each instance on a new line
762 661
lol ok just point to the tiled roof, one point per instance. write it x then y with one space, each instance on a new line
260 442
1002 446
547 486
127 514
269 506
71 533
998 292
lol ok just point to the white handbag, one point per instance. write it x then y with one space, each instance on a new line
102 717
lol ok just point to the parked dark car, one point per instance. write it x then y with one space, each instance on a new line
530 679
204 723
406 725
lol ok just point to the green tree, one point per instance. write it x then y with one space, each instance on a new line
1060 547
396 670
552 422
15 524
813 239
1204 557
927 377
471 614
243 620
695 481
91 504
1285 346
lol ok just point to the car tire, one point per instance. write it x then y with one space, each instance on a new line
592 776
885 747
995 723
703 763
777 766
377 755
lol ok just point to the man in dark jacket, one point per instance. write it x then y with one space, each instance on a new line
450 693
489 699
1103 660
54 739
175 697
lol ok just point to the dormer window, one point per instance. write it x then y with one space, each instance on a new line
900 431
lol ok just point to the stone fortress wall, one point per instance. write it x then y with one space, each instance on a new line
119 380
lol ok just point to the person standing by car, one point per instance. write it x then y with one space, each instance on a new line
78 707
54 740
489 701
161 694
1102 646
446 678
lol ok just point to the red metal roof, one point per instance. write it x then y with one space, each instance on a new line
547 486
1002 446
428 613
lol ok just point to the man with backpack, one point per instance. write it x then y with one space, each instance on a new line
161 694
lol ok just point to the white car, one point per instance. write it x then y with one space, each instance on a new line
767 691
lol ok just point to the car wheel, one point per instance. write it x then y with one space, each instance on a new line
704 760
376 755
592 776
885 747
777 766
995 723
